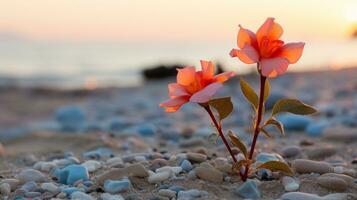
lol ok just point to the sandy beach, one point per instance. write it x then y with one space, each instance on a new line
122 134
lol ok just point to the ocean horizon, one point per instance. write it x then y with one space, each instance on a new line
77 64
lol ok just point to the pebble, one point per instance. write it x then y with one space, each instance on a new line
5 189
332 183
99 153
81 196
44 166
115 162
265 157
72 173
135 170
106 196
116 186
186 165
248 190
291 151
321 152
68 191
32 194
189 194
317 128
294 122
51 187
159 162
209 174
91 165
304 166
30 175
196 157
290 184
12 182
340 134
167 193
307 196
70 117
159 177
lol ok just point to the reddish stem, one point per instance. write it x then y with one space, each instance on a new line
219 129
257 127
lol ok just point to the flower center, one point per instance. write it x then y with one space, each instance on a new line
268 47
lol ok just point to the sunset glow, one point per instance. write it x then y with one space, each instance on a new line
186 20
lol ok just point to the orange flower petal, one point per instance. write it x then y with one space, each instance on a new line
247 55
245 37
172 105
269 29
223 76
176 90
207 69
274 67
291 51
186 76
206 93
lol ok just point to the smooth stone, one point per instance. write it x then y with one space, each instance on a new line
135 170
116 186
106 196
294 122
81 196
186 165
332 183
191 142
347 178
189 194
167 193
248 190
340 134
73 173
159 162
115 162
196 157
317 128
176 188
159 177
51 187
5 189
12 182
99 153
321 152
291 151
29 186
174 170
265 157
304 166
70 117
70 190
209 174
290 184
91 165
307 196
32 194
44 166
30 175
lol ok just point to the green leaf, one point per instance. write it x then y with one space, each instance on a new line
274 165
249 93
224 106
265 132
266 89
276 123
212 138
292 106
238 143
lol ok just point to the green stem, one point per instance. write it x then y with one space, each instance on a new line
257 124
220 132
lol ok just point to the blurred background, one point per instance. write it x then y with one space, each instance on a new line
96 43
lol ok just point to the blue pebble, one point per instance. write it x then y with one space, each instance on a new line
99 153
146 130
316 129
72 173
176 188
186 165
248 190
114 186
265 157
117 125
19 198
29 186
70 190
164 186
189 194
70 118
294 122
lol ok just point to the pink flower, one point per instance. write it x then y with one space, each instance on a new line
194 86
265 48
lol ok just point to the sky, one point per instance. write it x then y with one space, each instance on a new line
167 20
